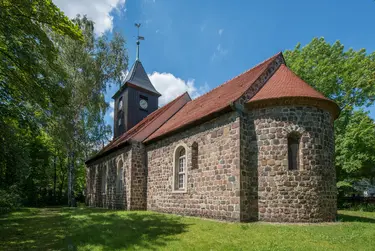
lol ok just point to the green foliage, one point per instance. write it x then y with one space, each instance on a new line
28 57
344 76
98 229
9 200
53 76
79 126
347 77
355 147
363 207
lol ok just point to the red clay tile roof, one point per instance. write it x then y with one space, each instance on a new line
146 126
284 83
213 101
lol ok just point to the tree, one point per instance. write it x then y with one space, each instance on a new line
28 56
53 76
347 77
91 66
28 63
355 148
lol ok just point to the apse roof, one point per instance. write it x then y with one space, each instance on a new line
283 83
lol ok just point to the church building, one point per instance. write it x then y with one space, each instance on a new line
258 147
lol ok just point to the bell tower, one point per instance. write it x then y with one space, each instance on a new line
135 99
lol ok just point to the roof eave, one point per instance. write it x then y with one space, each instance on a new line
196 122
325 104
114 149
156 93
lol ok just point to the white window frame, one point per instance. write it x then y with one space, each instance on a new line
183 160
176 169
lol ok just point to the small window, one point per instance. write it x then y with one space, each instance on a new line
180 169
119 121
293 151
120 177
120 104
104 179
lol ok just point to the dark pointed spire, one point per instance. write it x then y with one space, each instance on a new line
138 77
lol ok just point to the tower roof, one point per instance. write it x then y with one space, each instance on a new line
137 77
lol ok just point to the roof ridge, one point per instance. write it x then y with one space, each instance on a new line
149 118
159 109
239 75
141 125
292 72
170 116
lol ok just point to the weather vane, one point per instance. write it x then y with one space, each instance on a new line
138 39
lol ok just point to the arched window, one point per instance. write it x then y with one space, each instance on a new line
120 104
104 179
180 169
293 151
120 177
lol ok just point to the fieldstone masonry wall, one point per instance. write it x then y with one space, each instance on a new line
133 194
110 198
138 173
237 169
304 195
213 187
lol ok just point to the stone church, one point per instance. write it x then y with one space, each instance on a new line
258 147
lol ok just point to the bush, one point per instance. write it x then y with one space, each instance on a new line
365 207
9 200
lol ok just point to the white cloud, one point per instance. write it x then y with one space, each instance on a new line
97 10
171 87
111 108
221 32
219 52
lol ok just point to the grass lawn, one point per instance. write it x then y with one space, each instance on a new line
98 229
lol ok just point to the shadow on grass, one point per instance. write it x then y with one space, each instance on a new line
55 228
353 218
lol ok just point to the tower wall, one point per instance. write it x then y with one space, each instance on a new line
272 192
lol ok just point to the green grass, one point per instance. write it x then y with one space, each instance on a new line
96 229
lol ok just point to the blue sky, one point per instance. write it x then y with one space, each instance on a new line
197 45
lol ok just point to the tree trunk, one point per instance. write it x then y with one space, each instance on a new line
71 198
54 179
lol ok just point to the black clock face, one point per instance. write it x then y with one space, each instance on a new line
143 103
